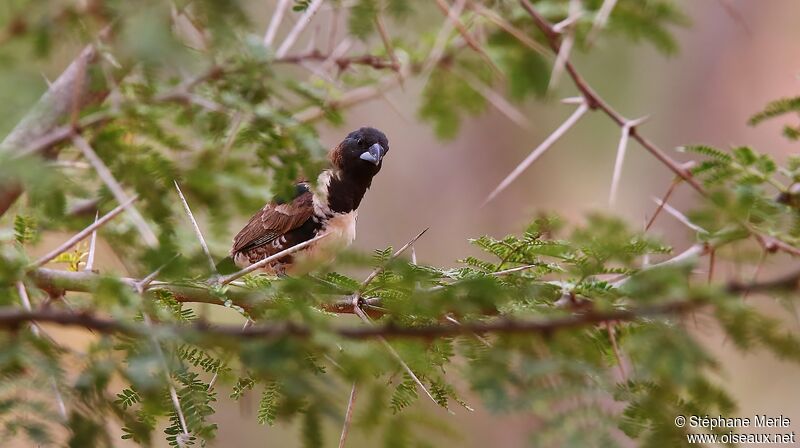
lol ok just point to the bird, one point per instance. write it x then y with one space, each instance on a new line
330 207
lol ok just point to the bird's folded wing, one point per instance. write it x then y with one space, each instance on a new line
275 220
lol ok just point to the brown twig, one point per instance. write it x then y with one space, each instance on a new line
11 318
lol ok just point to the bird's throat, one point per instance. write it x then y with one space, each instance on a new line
343 192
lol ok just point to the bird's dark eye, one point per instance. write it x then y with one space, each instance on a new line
360 141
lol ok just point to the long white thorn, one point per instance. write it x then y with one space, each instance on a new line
360 313
196 227
348 415
116 189
566 44
601 19
275 22
678 215
496 100
298 28
621 149
92 247
544 146
255 266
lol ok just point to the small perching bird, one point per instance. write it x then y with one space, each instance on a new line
329 208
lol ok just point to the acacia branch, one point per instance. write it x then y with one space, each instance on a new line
11 318
65 98
596 102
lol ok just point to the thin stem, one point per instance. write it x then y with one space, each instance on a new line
82 234
348 416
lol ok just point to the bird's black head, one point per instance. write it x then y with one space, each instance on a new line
361 153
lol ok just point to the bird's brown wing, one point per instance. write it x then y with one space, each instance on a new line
274 221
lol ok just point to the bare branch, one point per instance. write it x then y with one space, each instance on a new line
82 234
10 318
544 146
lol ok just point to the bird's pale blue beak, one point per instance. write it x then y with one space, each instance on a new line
374 154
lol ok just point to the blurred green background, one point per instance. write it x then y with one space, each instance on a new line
736 56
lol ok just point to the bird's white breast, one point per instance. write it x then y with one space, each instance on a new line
340 231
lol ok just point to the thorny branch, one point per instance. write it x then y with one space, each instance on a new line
596 102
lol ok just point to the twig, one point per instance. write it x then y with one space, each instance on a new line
26 304
482 339
82 234
453 14
11 318
247 324
497 100
510 29
224 280
116 189
387 43
382 267
274 23
391 349
664 200
197 232
617 352
621 148
595 102
544 146
348 416
298 28
173 394
566 44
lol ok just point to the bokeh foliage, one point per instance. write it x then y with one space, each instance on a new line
194 96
